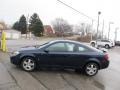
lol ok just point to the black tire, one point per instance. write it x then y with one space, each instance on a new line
28 64
107 46
93 44
89 71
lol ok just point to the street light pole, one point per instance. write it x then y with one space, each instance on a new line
102 29
27 31
92 29
116 33
98 26
109 30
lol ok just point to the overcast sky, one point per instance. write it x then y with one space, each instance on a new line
48 10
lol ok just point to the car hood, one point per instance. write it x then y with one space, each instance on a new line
28 48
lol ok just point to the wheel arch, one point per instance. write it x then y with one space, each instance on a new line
93 43
93 60
27 56
107 45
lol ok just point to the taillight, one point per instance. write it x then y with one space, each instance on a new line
106 57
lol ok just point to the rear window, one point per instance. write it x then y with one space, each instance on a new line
90 48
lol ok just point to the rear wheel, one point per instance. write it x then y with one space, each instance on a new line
28 64
91 69
107 46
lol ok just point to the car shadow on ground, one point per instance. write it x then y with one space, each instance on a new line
66 75
51 70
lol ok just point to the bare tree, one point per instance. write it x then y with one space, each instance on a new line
77 28
83 28
61 26
88 29
3 25
97 36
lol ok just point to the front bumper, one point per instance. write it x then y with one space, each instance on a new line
15 60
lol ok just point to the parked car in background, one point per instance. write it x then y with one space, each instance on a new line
117 43
65 54
105 43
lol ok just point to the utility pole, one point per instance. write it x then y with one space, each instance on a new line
27 32
98 26
102 29
116 33
109 29
92 29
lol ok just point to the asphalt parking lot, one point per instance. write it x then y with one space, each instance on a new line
14 78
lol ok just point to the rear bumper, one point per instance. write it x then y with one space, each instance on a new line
105 64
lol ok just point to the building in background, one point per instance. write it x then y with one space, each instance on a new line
12 34
48 30
1 27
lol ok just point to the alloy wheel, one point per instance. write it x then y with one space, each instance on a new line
91 69
28 64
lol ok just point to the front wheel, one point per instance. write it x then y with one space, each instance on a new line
91 69
28 64
93 44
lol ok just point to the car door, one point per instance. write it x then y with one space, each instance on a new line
75 56
103 42
53 55
83 54
99 42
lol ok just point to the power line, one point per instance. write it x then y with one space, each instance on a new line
75 10
80 12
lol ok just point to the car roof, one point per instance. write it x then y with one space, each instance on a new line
65 40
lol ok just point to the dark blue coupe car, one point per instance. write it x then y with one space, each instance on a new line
64 54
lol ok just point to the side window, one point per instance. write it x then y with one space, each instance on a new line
99 40
58 47
75 48
70 47
82 49
105 41
102 40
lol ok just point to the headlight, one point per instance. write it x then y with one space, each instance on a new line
15 53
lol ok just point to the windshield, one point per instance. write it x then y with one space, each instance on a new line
42 45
